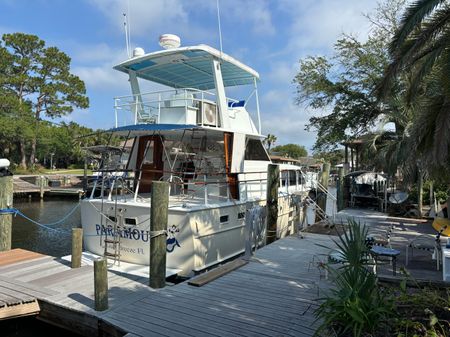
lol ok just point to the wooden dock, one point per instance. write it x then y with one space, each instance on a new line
275 294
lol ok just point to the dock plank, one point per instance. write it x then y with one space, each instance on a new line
275 294
216 273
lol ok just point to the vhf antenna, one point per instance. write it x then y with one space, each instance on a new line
126 26
220 30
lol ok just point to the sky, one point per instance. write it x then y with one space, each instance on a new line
270 36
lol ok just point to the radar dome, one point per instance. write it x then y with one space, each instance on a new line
169 41
138 52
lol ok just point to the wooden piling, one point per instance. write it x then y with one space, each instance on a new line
420 192
158 222
41 187
85 182
101 284
6 201
322 200
273 181
340 189
77 247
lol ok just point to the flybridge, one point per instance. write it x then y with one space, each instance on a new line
189 67
198 76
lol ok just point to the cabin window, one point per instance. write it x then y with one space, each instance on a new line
112 218
149 153
284 178
241 215
223 218
130 221
292 178
254 150
301 180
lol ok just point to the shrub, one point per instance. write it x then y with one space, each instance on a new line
355 305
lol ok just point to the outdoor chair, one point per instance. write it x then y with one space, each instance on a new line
377 237
428 243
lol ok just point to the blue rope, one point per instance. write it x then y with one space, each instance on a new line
16 211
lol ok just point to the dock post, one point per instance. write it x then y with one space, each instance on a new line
41 187
77 247
273 181
420 192
322 201
158 223
6 201
85 182
101 284
340 189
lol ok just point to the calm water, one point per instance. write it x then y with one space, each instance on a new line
30 236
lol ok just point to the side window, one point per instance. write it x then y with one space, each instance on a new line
149 154
254 150
284 178
301 179
292 178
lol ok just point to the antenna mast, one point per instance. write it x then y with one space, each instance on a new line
220 30
127 38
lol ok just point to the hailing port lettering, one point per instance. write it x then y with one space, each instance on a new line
140 235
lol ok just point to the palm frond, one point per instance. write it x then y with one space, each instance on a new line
414 15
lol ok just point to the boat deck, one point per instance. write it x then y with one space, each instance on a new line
275 294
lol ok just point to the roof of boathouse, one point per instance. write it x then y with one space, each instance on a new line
188 67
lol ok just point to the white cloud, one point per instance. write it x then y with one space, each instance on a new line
316 25
102 78
144 16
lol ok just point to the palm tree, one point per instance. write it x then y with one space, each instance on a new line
420 54
269 141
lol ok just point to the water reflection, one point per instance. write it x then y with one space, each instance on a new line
29 236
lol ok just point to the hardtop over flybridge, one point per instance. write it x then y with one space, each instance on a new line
204 144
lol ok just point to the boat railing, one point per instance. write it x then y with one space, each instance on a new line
186 106
204 186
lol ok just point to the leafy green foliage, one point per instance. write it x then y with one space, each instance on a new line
290 150
342 86
35 80
355 305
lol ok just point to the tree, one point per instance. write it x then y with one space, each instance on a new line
40 81
419 52
269 141
291 150
344 83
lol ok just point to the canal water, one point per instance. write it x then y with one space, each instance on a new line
55 239
56 242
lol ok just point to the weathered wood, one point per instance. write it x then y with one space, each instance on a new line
16 255
79 322
41 187
61 276
6 201
420 192
19 310
158 222
101 284
322 197
77 247
340 190
216 273
273 181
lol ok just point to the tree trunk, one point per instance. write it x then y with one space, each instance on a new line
23 156
33 151
420 193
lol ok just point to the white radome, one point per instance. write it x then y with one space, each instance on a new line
138 52
169 41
